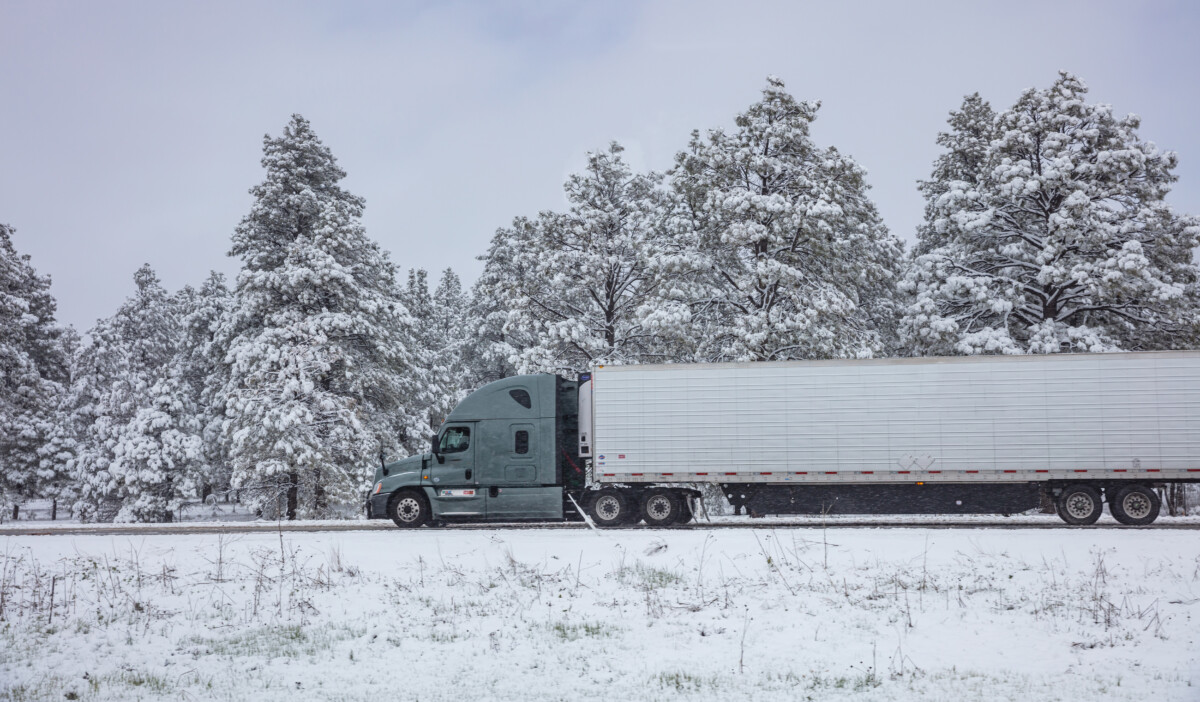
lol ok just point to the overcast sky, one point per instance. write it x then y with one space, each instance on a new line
130 132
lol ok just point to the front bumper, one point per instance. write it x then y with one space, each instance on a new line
377 506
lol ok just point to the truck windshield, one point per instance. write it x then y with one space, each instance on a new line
456 439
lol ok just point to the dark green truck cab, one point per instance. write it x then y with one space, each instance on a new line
504 454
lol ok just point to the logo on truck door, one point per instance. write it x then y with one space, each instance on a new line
456 493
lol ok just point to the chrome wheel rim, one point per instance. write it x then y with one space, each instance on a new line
1080 505
1136 505
659 507
408 509
608 507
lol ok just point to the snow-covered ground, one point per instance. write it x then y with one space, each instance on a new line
542 614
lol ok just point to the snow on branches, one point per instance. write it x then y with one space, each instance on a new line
1056 238
775 251
315 343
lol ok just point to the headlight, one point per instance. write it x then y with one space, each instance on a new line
378 487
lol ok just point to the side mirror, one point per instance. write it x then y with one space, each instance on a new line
433 448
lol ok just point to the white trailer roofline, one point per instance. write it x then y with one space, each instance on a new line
915 360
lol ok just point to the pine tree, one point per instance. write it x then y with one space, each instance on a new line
128 464
493 345
315 338
1063 242
204 374
972 129
450 329
33 371
776 251
574 282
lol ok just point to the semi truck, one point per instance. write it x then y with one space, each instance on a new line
954 435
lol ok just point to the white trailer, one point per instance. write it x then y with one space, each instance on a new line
960 434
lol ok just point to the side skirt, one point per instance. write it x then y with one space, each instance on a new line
942 498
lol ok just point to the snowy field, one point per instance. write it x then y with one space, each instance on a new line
541 614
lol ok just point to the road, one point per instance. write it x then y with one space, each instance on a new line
383 525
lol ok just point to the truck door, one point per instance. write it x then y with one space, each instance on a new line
453 478
511 481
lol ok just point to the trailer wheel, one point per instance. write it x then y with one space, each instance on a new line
408 509
609 508
661 507
1080 505
1135 505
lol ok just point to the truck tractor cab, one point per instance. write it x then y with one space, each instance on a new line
502 454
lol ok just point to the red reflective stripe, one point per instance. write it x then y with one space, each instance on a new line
1041 471
702 474
1193 470
666 474
1010 471
1153 470
1077 470
801 472
904 472
831 472
868 472
972 471
935 471
608 475
731 474
1120 470
638 474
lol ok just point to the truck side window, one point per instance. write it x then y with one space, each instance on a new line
522 398
522 442
456 439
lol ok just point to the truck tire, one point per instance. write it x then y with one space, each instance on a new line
408 509
661 507
1135 505
609 508
1080 505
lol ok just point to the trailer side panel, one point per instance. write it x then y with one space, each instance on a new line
986 419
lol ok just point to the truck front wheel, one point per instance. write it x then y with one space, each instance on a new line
1080 505
1135 505
610 508
408 509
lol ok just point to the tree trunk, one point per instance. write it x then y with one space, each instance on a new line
16 511
293 494
319 504
54 509
204 493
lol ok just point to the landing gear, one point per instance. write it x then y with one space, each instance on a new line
1135 505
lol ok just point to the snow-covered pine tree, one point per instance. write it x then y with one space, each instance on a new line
157 454
452 325
203 373
491 345
777 251
1064 242
33 371
576 280
57 454
440 331
425 376
972 129
315 337
119 379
